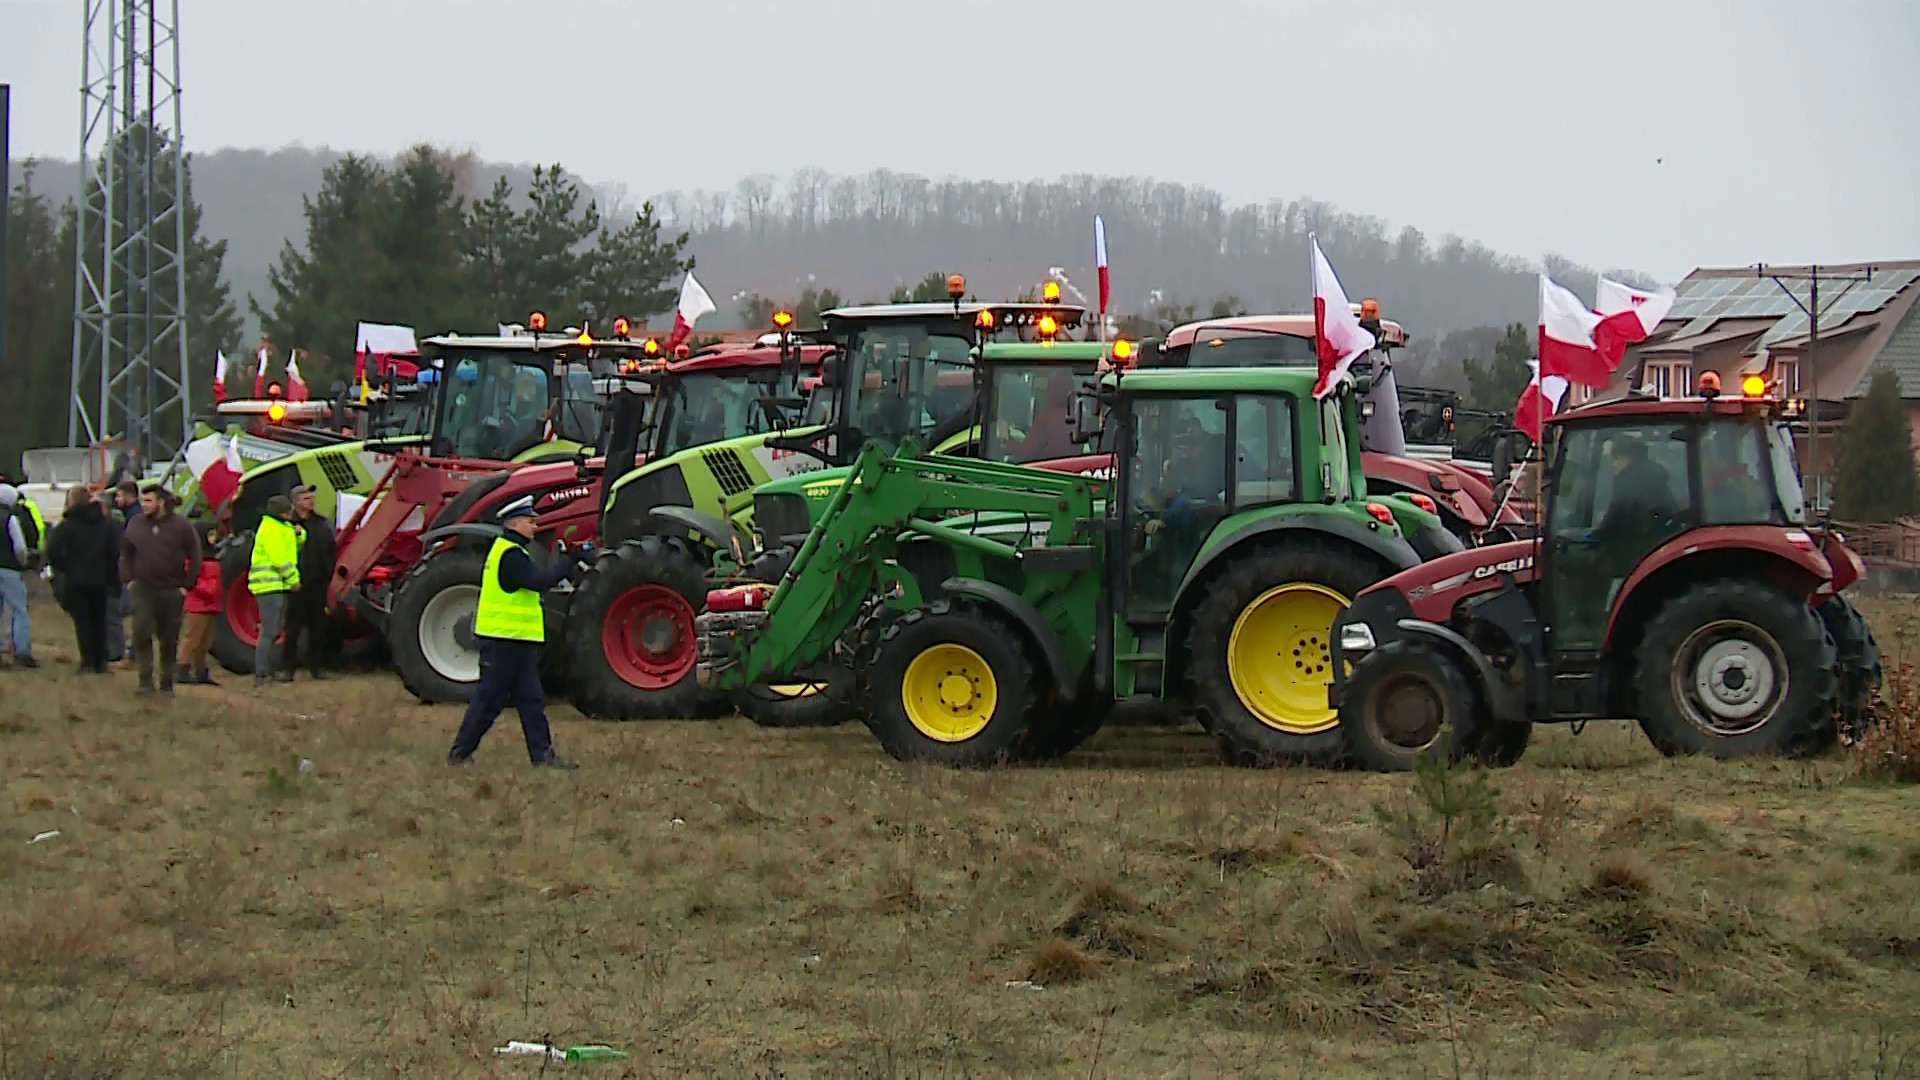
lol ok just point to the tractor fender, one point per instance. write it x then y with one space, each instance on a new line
1007 600
1499 699
1764 550
1394 550
472 530
720 534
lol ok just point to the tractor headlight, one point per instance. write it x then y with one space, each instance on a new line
1356 638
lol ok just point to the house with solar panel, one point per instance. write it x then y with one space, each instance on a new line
1747 320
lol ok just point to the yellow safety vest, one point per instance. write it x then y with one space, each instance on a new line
39 522
276 558
510 616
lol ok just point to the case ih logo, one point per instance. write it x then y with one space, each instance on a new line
1510 566
562 497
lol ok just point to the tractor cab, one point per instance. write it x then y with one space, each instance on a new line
1027 394
906 371
1674 579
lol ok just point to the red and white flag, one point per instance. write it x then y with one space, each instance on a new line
296 386
215 463
1628 316
1338 338
1567 345
1538 401
694 302
260 372
219 375
1100 261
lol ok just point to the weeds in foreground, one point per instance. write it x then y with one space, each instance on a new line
1449 826
1889 750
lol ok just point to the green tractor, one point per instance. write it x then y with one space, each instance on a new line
1210 569
894 372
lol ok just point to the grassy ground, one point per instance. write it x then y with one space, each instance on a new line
725 901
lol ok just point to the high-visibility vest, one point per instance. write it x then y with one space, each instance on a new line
509 616
39 523
276 558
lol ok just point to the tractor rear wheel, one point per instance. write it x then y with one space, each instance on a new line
1859 666
952 685
1736 668
632 653
434 649
237 627
1262 656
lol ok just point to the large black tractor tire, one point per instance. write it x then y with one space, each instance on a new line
798 704
1261 654
953 685
1063 726
1859 667
234 652
631 650
1736 668
1399 697
430 626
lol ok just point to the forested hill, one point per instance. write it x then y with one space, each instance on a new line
1170 245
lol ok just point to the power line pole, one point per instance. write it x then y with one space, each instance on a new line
1811 308
129 369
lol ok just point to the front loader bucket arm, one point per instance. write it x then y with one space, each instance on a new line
848 555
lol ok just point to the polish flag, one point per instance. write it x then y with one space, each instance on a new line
296 386
1538 401
260 373
1100 261
219 375
1627 316
1338 338
1567 345
217 471
694 302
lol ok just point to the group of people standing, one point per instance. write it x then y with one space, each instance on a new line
126 553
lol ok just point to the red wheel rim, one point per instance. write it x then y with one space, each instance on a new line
648 637
243 614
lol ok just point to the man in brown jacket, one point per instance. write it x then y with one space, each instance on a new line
159 560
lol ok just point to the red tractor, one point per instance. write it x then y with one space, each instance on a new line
429 621
1675 579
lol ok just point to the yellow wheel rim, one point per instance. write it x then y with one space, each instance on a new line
949 693
1280 657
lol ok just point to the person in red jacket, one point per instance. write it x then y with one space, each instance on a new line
202 606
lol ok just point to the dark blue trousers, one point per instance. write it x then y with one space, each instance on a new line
509 675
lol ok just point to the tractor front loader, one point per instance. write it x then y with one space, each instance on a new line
996 611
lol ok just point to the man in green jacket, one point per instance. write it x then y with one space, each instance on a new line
273 573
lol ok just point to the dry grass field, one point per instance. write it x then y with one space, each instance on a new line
729 902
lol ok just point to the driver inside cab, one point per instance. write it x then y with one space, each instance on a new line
1642 490
1051 434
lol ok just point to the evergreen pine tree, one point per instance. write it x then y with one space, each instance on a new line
1874 476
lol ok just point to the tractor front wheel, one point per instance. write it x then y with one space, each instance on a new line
1736 668
794 705
631 655
1262 653
434 649
1400 696
951 685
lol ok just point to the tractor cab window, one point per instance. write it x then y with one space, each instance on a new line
492 407
1033 414
1786 474
1252 350
1733 474
1177 492
904 381
1618 492
1263 461
708 408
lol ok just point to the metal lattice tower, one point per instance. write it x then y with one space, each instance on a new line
130 284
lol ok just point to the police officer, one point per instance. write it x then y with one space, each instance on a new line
511 627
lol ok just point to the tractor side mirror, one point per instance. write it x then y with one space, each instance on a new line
1085 423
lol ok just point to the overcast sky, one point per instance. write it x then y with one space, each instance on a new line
1637 133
